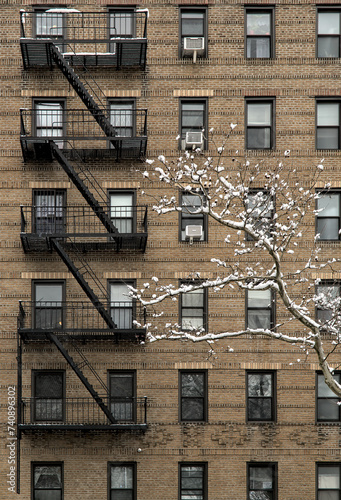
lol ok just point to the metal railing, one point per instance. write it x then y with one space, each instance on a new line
95 29
81 220
82 411
69 127
69 316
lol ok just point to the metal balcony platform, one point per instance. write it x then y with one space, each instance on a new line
81 414
80 321
85 38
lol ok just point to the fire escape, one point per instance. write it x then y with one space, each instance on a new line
71 42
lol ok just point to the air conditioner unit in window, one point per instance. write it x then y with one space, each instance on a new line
193 232
194 46
194 140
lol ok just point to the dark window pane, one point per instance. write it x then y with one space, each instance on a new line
328 228
192 409
328 409
47 477
328 46
47 495
261 478
327 138
192 24
193 384
260 384
122 495
260 409
328 495
258 138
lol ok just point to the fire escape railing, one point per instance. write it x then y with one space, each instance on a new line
37 318
75 411
81 221
91 38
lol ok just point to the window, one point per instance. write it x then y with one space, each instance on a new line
193 25
122 481
190 203
328 481
328 124
122 211
328 216
328 293
262 481
260 396
193 396
49 120
122 395
121 304
49 211
260 309
260 124
48 304
49 24
259 33
48 387
193 482
121 25
260 210
47 481
328 33
122 118
193 309
193 121
328 409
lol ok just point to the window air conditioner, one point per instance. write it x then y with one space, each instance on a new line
193 232
194 140
194 46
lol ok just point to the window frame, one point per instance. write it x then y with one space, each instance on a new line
327 9
120 10
60 38
274 467
36 282
126 101
204 467
330 100
272 126
318 217
273 397
189 100
34 374
204 307
318 398
133 466
204 397
132 399
327 283
322 465
59 140
112 192
200 10
253 192
130 282
271 36
182 215
46 464
56 222
272 308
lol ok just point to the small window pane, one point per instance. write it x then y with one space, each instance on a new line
329 477
259 24
121 477
328 46
329 204
258 47
259 138
193 384
327 138
260 384
259 298
328 23
261 478
192 24
323 389
259 409
259 319
328 495
48 292
193 299
328 409
259 114
327 114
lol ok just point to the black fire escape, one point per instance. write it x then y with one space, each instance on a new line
61 40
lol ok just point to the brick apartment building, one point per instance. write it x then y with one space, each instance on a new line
100 413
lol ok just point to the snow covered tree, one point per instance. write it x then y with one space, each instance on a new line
263 208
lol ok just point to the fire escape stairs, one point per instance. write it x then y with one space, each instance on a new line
77 369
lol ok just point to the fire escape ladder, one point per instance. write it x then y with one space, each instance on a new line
96 110
53 338
57 244
83 189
